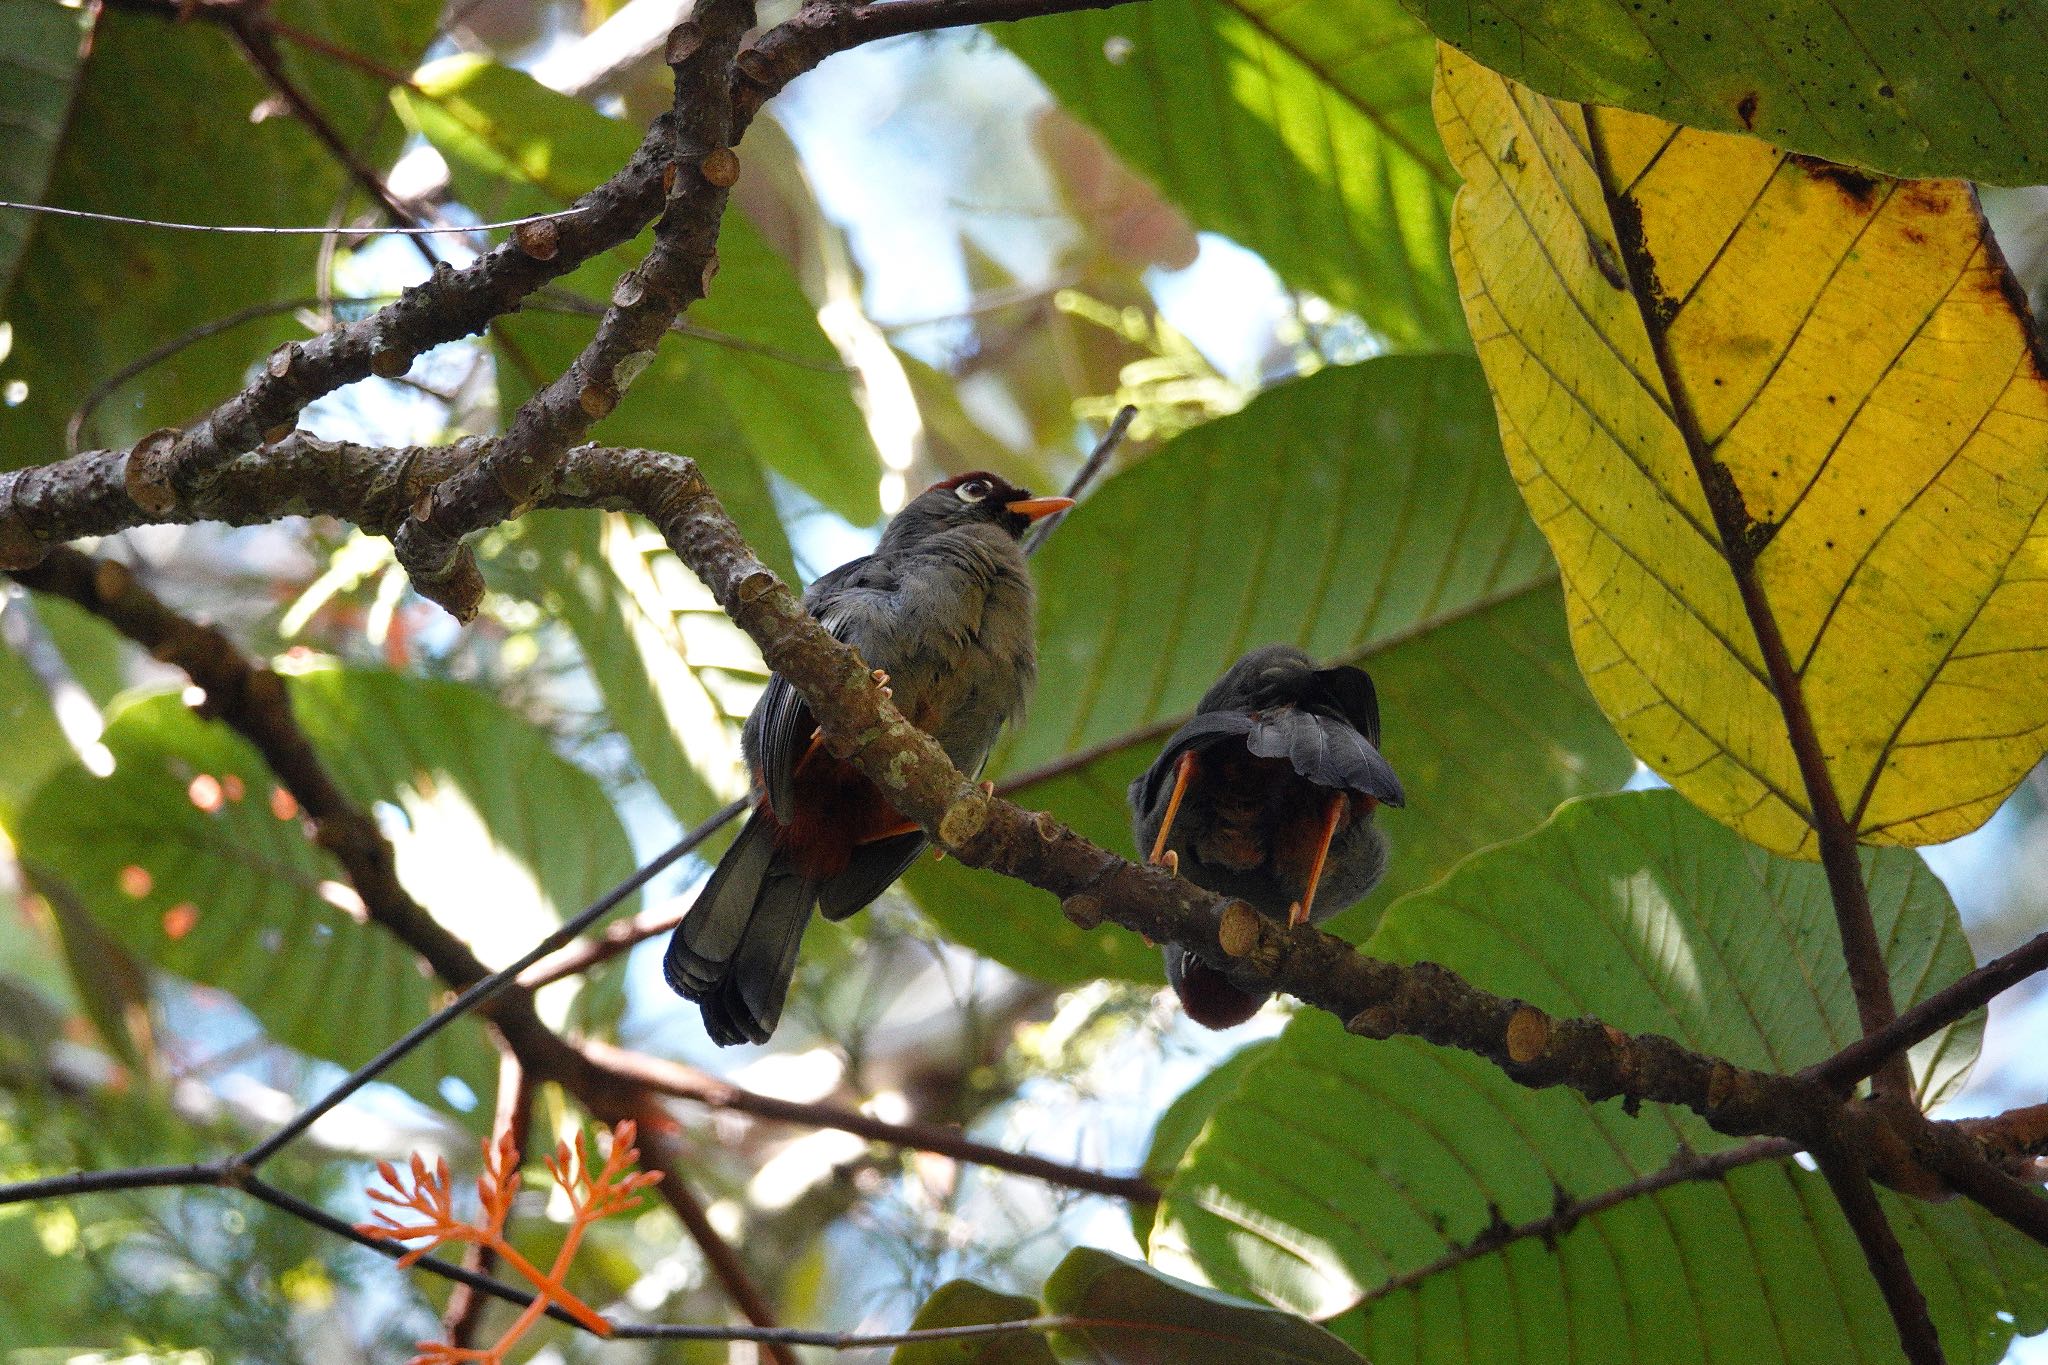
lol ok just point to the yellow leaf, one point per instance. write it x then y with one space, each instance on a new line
1783 427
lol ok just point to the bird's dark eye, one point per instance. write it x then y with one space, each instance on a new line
974 490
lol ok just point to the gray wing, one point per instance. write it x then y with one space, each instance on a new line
1204 730
1327 752
778 732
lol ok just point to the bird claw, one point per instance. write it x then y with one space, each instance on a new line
987 788
882 681
1170 860
1297 915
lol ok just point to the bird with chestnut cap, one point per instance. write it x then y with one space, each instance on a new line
1267 796
943 612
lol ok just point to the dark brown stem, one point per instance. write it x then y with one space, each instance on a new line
1740 540
1886 1258
1960 997
255 40
683 1082
1685 1167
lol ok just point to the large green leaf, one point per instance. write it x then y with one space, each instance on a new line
1147 1318
963 1303
1130 1314
1338 1164
190 856
41 47
1940 87
516 147
1301 131
161 110
1363 513
648 633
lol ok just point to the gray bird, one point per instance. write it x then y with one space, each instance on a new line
1267 796
943 612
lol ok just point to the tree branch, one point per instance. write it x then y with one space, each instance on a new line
688 1083
701 169
1962 996
1886 1258
1686 1166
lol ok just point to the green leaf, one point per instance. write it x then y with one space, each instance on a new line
41 48
647 631
1150 1318
160 110
1364 514
35 744
1183 1122
1300 131
515 147
1338 1164
188 855
963 1303
1942 87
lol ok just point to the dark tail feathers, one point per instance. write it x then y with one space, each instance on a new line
736 949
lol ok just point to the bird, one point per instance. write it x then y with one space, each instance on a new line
944 614
1267 796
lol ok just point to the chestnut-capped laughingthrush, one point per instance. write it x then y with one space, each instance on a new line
943 612
1267 796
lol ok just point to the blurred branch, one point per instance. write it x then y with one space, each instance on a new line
688 1083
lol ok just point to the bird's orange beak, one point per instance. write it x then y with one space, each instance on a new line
1031 509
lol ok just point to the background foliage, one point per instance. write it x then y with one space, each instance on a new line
1441 432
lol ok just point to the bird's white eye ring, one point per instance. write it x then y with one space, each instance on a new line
974 490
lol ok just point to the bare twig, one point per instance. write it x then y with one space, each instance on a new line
514 1117
688 1083
1686 1166
1886 1258
1965 994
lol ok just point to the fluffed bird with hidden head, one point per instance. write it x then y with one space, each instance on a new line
943 612
1267 796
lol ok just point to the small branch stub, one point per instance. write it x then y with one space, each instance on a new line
1084 910
148 475
1528 1033
1239 929
683 41
721 167
542 240
389 362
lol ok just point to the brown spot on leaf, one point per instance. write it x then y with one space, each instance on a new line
1745 109
205 792
136 881
180 920
1858 187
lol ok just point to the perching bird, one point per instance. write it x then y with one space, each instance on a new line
1267 796
943 612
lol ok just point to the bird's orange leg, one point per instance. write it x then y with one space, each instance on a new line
1184 771
1297 913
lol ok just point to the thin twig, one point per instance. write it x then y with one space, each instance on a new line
1686 1166
1960 997
514 1117
483 991
1085 476
1886 1258
684 1082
